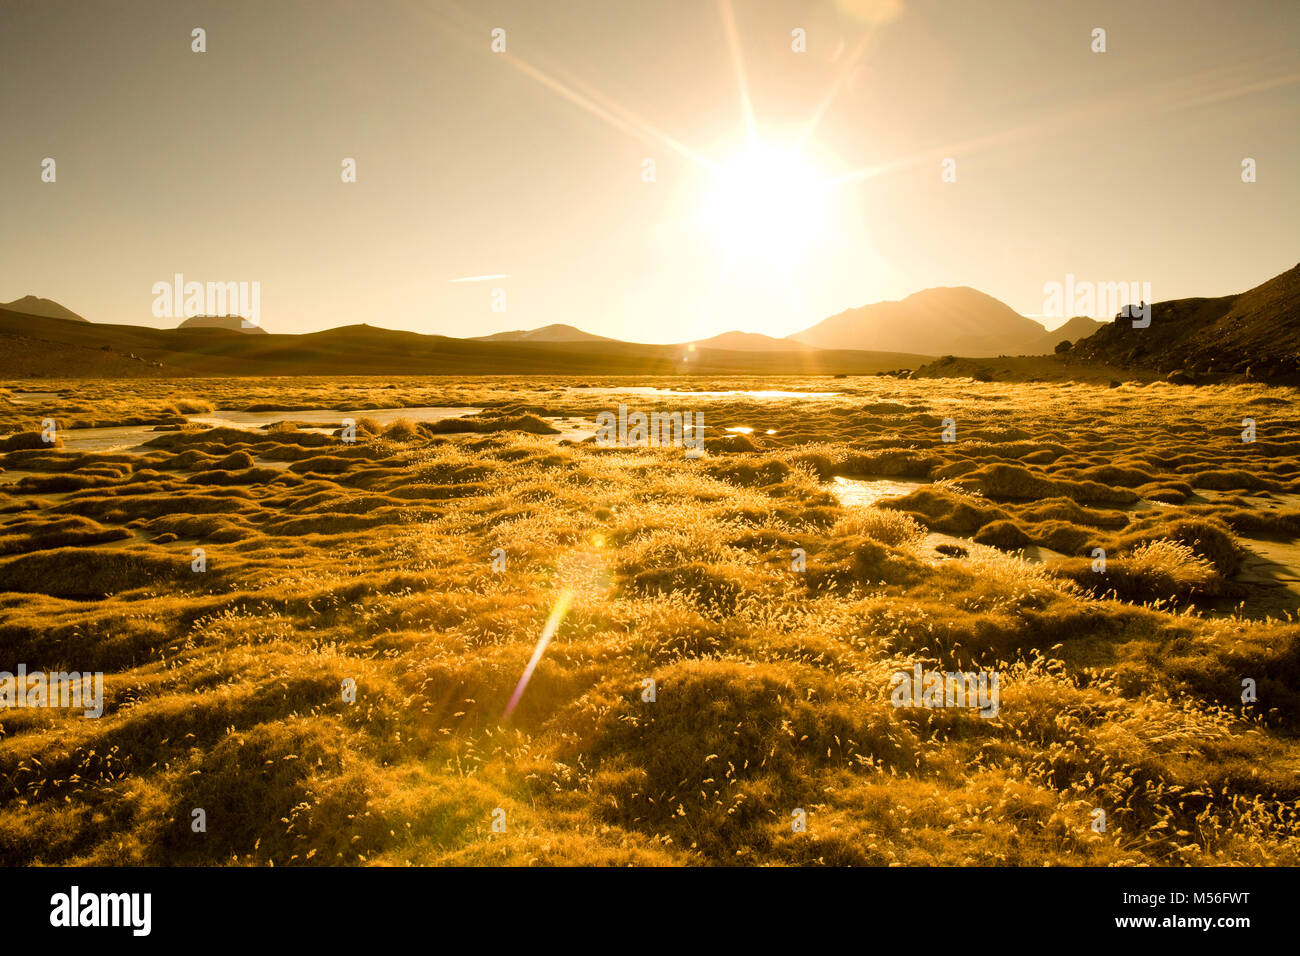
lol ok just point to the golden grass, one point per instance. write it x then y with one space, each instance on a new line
378 563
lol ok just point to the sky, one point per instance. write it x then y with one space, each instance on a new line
791 175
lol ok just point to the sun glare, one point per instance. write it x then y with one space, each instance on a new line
768 205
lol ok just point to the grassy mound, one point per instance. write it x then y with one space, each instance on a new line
78 573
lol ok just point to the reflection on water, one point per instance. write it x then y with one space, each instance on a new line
117 438
1263 500
867 491
1271 569
655 390
328 417
22 398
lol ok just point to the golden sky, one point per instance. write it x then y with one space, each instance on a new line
787 184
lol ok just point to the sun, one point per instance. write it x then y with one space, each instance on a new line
768 205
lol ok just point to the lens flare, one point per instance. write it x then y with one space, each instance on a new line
552 625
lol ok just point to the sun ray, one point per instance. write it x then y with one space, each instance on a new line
472 34
1082 116
612 113
850 64
728 14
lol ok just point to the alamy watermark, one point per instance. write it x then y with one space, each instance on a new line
179 299
977 689
626 429
1096 299
133 911
59 689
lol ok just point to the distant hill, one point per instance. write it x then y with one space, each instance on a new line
37 347
1078 328
547 333
31 305
1255 332
748 342
231 323
945 321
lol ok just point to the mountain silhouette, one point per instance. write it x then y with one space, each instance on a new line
547 333
942 321
1255 332
1078 328
231 323
39 347
47 308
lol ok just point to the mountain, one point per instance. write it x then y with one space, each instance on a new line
547 333
1255 332
748 342
1077 329
46 308
231 323
944 321
39 347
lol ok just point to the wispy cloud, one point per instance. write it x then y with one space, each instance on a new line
495 275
